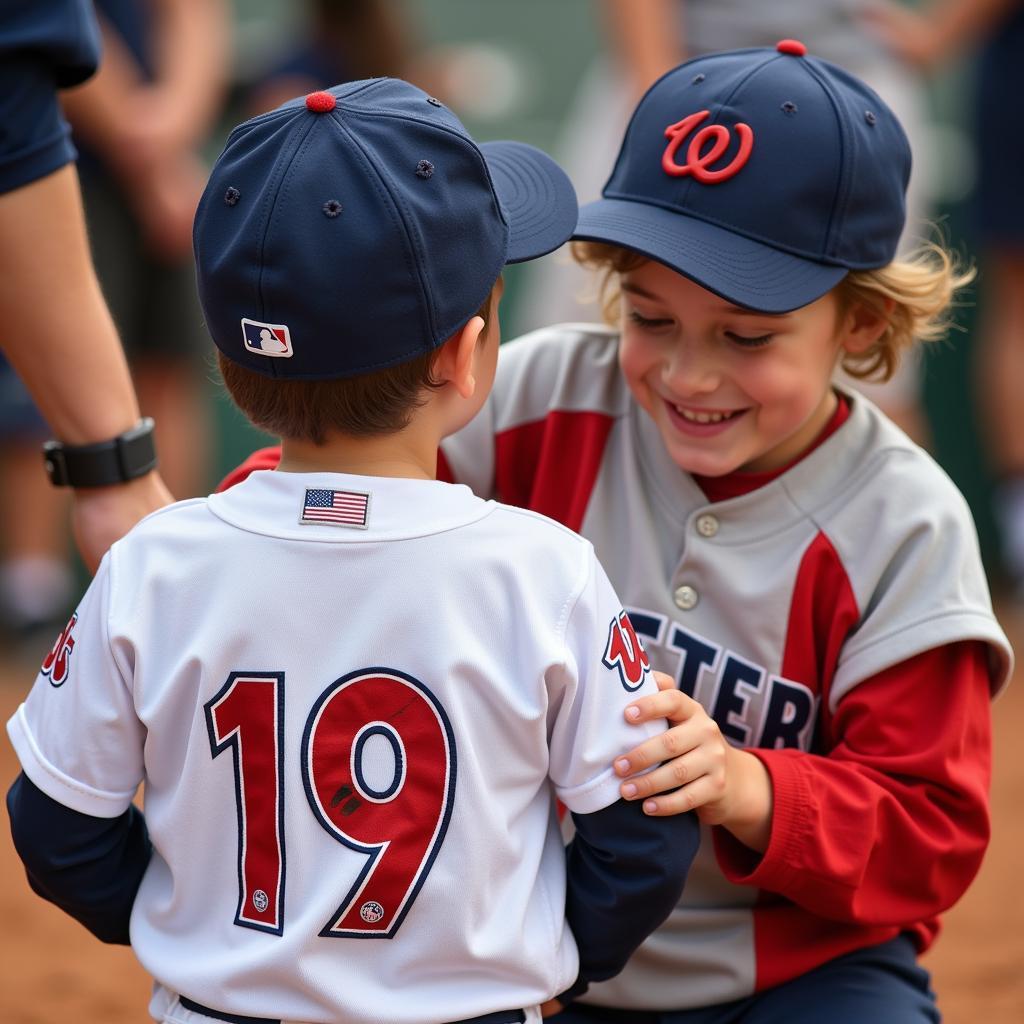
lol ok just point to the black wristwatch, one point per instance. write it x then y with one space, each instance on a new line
122 458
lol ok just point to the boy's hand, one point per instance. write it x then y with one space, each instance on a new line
552 1006
701 771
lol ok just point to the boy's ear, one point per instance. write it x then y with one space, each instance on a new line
863 325
455 358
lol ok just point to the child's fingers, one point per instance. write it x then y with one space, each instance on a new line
668 776
672 704
679 772
664 681
689 798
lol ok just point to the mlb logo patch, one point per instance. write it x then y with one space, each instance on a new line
336 508
267 339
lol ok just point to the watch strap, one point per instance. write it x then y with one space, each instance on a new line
105 463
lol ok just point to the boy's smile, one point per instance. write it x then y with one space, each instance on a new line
728 388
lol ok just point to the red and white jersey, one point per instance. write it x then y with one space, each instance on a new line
810 617
351 701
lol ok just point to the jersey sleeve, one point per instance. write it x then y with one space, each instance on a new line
605 668
890 825
77 734
918 580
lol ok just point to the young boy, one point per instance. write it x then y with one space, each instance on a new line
809 576
399 671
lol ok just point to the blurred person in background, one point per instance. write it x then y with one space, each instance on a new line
61 343
645 40
929 37
344 40
140 123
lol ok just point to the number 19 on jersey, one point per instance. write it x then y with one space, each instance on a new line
396 816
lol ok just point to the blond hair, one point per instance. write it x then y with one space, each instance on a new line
914 294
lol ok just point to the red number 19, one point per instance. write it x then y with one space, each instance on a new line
398 819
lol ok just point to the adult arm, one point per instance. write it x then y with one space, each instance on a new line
150 129
61 340
135 121
89 867
928 35
646 38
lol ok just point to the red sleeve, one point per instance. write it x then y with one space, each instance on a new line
264 458
444 470
890 826
268 458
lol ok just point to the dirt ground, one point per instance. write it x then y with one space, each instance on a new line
53 972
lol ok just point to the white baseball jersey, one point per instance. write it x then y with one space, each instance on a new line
781 610
350 701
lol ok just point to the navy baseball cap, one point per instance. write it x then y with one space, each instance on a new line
359 227
765 175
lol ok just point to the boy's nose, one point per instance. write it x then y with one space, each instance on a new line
692 370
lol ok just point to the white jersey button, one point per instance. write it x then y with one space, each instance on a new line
686 597
707 525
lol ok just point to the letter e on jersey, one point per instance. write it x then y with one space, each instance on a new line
625 653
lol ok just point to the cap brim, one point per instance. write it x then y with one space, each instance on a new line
740 270
536 195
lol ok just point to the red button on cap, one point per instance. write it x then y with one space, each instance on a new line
321 102
791 46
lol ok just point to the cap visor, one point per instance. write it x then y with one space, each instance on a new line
536 195
741 270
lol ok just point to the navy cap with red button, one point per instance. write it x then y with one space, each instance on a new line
765 175
360 226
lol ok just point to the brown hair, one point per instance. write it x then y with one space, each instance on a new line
372 404
921 288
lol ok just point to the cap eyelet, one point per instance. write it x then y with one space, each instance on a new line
697 79
869 116
332 208
232 196
424 169
434 101
789 107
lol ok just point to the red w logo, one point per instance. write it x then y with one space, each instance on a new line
56 663
697 163
625 653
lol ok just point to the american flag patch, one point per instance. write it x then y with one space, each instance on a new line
337 508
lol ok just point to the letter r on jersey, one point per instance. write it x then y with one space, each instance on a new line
625 653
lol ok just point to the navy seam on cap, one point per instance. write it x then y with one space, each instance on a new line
270 202
691 181
365 87
465 140
258 119
443 332
844 186
392 204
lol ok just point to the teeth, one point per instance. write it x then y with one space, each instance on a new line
702 417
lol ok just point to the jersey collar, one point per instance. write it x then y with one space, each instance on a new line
280 504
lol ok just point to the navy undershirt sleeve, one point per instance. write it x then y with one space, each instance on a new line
625 873
89 867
